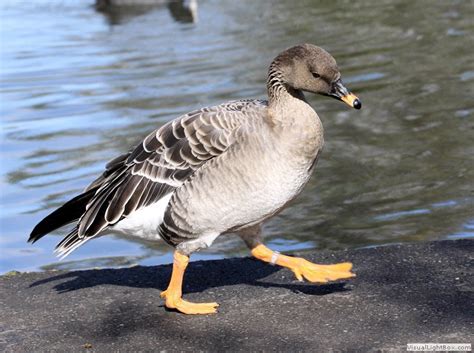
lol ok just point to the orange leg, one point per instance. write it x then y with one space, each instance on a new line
303 268
173 293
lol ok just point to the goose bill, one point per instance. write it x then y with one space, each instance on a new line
340 92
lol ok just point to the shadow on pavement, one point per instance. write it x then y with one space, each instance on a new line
200 276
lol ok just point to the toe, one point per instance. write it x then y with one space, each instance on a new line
196 308
324 273
342 267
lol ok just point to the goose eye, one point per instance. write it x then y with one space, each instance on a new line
316 75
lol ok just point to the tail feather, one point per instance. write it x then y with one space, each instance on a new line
70 242
69 212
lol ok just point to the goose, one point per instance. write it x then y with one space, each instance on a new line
221 169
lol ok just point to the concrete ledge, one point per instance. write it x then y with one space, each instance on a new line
403 294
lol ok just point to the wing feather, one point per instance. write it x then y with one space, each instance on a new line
122 196
162 162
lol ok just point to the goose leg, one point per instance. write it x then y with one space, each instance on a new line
303 268
173 293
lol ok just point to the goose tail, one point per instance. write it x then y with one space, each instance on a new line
69 212
70 243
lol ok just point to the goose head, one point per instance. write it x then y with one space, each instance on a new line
310 68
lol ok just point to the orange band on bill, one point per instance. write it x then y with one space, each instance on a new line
349 99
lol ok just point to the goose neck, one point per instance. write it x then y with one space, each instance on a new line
279 92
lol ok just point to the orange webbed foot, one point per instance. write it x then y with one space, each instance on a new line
320 273
175 302
303 269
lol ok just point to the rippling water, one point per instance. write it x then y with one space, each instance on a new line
79 86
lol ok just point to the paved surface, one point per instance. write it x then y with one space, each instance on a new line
408 293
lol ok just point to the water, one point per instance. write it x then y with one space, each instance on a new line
79 86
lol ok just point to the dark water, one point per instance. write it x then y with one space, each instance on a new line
79 86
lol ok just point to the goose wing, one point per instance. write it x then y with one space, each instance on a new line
162 162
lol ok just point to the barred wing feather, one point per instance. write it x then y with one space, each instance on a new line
162 162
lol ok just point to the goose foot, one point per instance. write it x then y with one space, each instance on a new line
303 269
174 302
320 273
173 293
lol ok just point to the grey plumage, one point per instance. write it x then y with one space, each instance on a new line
166 158
219 169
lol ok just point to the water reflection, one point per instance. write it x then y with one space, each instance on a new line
398 170
120 11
